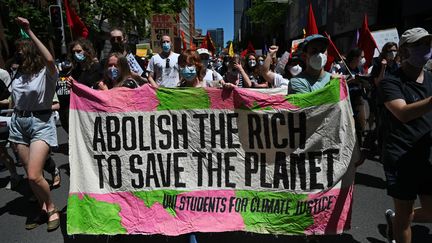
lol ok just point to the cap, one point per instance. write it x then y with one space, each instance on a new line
413 35
314 38
203 51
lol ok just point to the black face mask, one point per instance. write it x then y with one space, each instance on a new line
117 47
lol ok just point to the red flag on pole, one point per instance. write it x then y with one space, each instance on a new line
332 53
183 40
311 27
210 45
250 48
204 43
76 25
366 42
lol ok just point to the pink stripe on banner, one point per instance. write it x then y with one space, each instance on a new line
244 98
114 100
220 99
137 218
343 88
336 218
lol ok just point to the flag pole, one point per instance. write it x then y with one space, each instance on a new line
339 55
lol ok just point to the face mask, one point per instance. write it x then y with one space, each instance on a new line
362 61
318 61
79 57
296 70
188 73
166 47
117 47
261 62
419 55
252 63
391 55
205 63
113 73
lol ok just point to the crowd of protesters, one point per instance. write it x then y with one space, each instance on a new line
397 92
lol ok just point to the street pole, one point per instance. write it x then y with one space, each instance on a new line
63 40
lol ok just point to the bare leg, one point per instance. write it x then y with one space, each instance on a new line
404 214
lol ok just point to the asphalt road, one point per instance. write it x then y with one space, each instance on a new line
368 223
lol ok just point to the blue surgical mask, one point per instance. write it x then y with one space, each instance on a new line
113 73
419 55
166 47
79 57
188 72
252 63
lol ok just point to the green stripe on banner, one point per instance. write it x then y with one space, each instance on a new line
182 99
90 216
157 196
330 94
274 212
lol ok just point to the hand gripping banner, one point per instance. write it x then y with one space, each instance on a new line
174 161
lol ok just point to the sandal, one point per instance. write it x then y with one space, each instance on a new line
54 224
56 179
33 223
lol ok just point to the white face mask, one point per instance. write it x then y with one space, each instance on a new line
318 61
362 61
295 70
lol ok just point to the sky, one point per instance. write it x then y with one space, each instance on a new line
210 14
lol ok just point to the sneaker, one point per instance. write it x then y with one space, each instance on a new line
389 215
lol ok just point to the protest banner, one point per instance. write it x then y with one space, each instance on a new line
175 161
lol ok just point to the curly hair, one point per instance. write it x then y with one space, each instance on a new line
191 57
32 61
89 53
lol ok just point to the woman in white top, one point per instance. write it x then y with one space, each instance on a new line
32 123
191 70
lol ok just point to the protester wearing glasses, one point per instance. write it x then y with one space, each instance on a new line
163 67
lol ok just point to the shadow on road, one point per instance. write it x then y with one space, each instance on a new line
420 234
370 181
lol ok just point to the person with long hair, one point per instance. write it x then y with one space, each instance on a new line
32 123
252 76
117 73
191 69
84 62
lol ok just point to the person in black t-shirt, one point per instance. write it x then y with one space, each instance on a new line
406 151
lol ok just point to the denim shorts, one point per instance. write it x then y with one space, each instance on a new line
29 129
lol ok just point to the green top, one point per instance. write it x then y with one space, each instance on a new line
303 83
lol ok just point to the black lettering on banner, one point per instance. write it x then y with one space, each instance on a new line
182 203
98 137
131 134
330 161
152 132
202 127
266 126
114 183
299 161
178 169
151 173
274 120
99 159
313 169
165 172
183 131
254 131
280 171
301 129
200 156
113 129
166 132
223 205
231 130
136 160
214 131
142 146
229 168
251 166
217 169
263 177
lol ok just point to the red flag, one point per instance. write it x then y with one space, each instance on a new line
332 53
311 27
210 45
250 48
366 42
183 40
76 25
204 44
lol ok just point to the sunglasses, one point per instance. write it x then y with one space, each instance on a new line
116 38
167 63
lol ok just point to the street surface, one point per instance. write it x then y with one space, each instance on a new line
368 223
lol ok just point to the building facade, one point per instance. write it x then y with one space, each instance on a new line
217 36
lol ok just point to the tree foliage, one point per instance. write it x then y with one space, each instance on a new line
271 14
128 14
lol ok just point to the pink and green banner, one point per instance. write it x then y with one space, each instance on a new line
175 161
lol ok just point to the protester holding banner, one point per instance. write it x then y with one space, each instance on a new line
32 124
406 152
117 73
274 79
314 77
163 67
253 76
192 70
